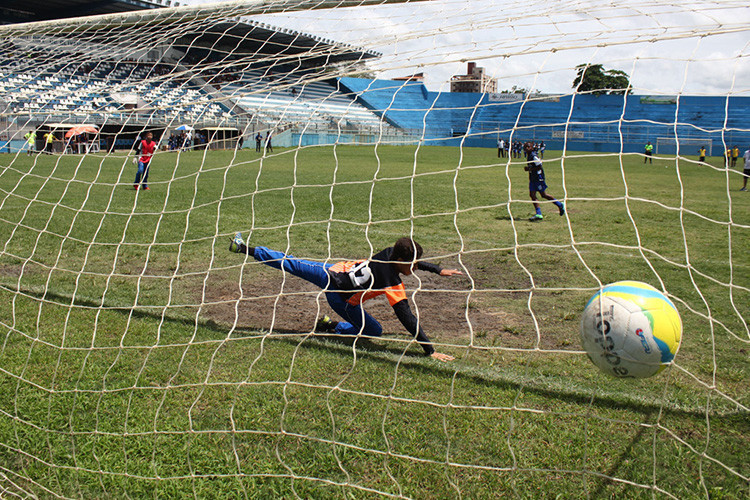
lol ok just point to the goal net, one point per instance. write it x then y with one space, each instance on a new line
683 146
141 356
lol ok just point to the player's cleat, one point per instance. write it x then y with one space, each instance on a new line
743 189
562 209
325 325
135 186
147 188
237 243
536 217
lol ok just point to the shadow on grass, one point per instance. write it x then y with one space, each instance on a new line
622 458
409 355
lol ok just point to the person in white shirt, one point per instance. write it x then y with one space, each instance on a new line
746 169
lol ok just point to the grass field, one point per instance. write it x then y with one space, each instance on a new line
140 358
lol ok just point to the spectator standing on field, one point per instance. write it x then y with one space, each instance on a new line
30 142
49 140
258 143
269 145
735 155
500 148
649 151
746 169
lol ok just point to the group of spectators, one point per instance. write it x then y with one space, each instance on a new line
186 140
515 149
70 144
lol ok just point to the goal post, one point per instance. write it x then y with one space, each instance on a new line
685 146
140 355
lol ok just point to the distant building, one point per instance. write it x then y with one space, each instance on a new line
417 77
473 81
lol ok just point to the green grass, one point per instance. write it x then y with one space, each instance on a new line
125 370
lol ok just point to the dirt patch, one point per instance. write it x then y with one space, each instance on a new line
12 271
450 312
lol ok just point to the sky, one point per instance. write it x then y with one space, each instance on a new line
700 48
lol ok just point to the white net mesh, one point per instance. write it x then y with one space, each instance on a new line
140 357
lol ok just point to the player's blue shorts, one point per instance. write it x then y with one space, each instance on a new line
537 186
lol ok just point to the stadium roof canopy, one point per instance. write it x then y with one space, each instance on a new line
237 36
25 11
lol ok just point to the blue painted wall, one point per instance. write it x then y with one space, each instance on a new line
594 123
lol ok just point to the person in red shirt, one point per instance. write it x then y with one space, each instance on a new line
349 284
145 149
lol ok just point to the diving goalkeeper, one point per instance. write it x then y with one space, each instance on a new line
349 284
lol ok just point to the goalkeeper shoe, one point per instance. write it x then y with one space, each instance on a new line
325 325
237 243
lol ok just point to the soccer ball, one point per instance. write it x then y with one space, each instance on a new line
630 329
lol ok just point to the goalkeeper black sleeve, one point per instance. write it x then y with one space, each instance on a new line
407 318
429 266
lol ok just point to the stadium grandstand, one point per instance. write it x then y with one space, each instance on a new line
236 77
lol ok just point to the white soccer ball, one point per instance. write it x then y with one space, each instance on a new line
631 329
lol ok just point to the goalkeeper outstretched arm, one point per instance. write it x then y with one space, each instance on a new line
410 321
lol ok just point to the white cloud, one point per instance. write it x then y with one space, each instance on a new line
701 47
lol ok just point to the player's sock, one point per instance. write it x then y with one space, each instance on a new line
326 325
538 210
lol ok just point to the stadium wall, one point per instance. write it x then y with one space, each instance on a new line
605 123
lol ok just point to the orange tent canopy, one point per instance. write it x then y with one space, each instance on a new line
81 129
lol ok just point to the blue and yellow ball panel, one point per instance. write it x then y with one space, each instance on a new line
666 325
645 334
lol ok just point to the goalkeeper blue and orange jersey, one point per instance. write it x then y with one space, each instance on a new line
384 279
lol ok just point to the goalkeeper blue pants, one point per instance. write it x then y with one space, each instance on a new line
356 319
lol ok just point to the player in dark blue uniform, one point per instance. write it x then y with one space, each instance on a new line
536 182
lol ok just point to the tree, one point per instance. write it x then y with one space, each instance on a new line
520 90
595 79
